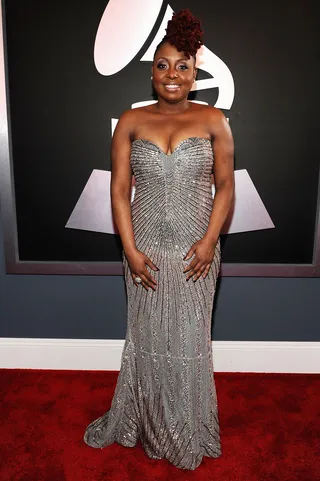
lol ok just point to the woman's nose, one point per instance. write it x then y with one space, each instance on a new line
171 73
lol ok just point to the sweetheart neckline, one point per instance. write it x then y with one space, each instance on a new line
176 148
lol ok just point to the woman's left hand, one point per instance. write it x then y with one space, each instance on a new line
204 253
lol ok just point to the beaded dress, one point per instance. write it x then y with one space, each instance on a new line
165 393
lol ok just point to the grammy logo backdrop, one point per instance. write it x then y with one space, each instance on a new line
71 68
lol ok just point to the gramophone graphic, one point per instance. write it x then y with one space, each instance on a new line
127 24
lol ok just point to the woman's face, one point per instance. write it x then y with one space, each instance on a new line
173 74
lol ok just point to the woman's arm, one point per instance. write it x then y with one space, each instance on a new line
223 170
121 179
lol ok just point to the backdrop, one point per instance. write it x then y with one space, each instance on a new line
73 67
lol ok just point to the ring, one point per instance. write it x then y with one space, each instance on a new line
138 280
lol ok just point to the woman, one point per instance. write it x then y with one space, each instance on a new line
165 394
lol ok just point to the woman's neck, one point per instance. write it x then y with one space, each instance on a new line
167 108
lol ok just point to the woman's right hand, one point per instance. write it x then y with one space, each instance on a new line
138 262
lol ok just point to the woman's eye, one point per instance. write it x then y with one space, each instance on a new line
162 66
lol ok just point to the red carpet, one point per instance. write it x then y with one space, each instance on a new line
270 430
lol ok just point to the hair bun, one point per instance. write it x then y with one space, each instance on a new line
184 32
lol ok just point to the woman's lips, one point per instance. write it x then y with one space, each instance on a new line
172 87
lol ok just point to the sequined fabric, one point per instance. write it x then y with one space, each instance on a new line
165 393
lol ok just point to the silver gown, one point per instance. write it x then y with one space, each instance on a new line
165 393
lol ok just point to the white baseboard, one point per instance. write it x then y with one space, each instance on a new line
91 354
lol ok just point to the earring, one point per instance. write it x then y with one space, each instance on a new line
151 77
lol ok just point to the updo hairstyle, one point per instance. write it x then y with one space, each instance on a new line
184 32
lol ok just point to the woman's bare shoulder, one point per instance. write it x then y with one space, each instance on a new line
136 113
212 113
132 117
